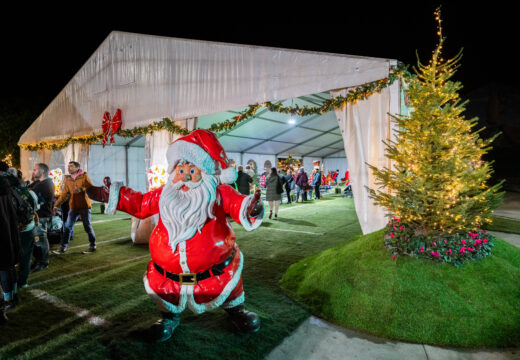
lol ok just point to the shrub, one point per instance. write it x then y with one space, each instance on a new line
455 249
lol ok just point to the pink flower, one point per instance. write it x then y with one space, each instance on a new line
436 254
477 242
393 257
462 250
445 241
448 252
470 248
401 227
433 243
392 235
463 242
485 231
485 240
422 248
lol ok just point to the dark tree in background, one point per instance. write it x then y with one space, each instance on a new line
16 115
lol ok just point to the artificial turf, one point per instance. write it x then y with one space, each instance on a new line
359 286
108 284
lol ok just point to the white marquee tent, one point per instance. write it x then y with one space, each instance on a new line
199 83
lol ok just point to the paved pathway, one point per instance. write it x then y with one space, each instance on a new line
317 339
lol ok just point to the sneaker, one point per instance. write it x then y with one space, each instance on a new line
60 251
90 250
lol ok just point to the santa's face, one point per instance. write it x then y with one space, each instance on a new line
187 202
185 173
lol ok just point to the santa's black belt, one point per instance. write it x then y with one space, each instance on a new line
194 278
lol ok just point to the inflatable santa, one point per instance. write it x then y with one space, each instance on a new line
195 261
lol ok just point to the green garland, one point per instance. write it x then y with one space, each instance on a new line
361 92
164 124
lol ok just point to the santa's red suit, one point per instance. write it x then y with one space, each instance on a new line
210 249
212 246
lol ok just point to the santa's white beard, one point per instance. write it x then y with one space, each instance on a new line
185 213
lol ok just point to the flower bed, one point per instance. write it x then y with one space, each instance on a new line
455 249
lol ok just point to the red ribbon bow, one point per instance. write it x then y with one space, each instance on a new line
110 126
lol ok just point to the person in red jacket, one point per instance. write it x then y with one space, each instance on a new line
196 262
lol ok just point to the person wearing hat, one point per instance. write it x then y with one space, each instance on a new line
196 262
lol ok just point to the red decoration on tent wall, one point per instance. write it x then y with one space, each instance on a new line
110 126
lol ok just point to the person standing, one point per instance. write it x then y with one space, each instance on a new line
274 192
289 183
43 187
243 181
75 186
10 246
301 182
316 182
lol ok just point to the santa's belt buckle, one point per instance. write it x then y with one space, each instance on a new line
188 279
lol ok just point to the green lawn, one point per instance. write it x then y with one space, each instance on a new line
108 284
359 286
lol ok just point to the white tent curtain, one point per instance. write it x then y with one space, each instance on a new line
363 126
155 148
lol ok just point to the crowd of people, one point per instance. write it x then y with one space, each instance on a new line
275 184
29 211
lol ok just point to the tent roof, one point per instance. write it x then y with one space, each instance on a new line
151 77
272 133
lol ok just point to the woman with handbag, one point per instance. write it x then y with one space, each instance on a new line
274 192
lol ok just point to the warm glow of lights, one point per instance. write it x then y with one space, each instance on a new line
157 177
57 178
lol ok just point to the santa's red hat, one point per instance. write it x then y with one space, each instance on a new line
202 149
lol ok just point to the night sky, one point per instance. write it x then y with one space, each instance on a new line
46 48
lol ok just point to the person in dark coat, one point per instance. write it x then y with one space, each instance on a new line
243 181
274 192
301 183
289 183
10 247
43 187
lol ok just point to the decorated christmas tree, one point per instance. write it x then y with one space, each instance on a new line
438 183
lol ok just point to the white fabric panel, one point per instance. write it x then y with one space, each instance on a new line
260 161
155 148
150 77
57 161
308 163
137 179
108 161
334 164
68 155
364 125
27 161
81 155
235 156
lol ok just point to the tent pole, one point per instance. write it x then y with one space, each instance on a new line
126 165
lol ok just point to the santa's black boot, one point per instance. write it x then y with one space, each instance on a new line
163 329
245 321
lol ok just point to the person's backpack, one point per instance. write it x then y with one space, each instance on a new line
279 186
23 204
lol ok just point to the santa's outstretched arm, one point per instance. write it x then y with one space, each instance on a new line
125 199
245 210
